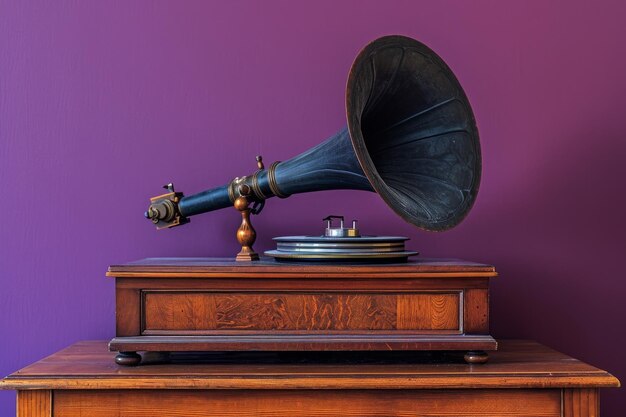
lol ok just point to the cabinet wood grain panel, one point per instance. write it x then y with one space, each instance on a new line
169 311
127 312
36 403
291 403
307 312
179 311
428 312
476 311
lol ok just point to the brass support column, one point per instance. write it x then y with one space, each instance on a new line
246 235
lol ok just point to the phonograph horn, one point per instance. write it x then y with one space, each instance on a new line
411 137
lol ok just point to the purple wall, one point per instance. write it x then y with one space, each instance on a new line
103 102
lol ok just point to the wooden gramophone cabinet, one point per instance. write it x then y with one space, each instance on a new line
209 304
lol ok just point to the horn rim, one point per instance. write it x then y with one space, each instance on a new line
359 144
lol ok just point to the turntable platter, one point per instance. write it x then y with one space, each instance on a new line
342 249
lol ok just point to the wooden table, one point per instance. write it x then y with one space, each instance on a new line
521 379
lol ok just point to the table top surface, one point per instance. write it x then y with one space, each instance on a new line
217 267
517 364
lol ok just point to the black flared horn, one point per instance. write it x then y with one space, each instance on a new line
411 137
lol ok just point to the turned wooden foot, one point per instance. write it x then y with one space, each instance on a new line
476 357
128 358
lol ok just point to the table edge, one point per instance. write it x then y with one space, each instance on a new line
283 381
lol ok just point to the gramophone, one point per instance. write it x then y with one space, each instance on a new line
411 137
